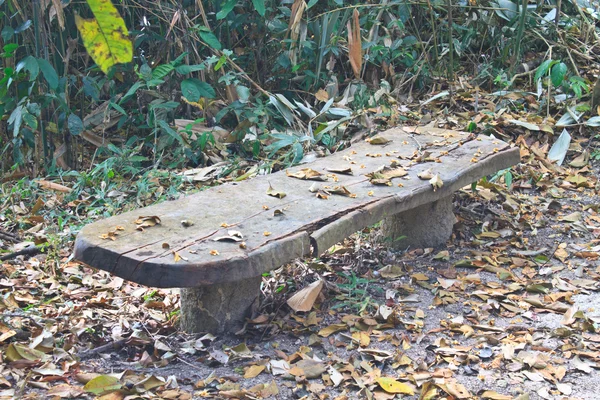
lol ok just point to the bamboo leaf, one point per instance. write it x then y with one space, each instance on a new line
259 6
105 37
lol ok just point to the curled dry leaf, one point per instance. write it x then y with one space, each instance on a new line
146 222
305 298
275 193
233 236
378 140
385 175
214 253
341 170
323 195
307 174
112 235
341 191
425 175
436 182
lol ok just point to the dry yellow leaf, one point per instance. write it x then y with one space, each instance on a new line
391 385
253 371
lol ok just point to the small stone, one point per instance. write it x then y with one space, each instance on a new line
501 383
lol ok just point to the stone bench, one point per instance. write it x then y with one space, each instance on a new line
216 244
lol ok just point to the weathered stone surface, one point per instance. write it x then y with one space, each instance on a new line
219 308
173 255
428 225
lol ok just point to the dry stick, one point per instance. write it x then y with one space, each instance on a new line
114 345
549 87
9 237
30 251
451 55
557 17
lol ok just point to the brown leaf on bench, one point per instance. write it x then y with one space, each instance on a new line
323 195
146 222
425 175
275 193
341 191
341 170
307 173
378 140
385 175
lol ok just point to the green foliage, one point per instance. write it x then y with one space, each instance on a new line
274 76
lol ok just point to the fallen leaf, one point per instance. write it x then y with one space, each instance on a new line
331 329
307 173
146 222
102 384
436 182
275 193
305 298
342 170
391 385
378 140
425 175
253 371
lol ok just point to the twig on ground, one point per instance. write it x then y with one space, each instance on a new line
114 345
29 251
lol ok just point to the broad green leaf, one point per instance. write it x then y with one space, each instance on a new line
166 128
49 73
106 37
102 384
558 73
187 69
193 89
543 69
259 6
161 71
7 33
30 65
226 9
75 124
134 88
243 93
210 39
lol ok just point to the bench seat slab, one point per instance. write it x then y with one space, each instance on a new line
277 230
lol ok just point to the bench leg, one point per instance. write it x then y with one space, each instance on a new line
220 308
429 225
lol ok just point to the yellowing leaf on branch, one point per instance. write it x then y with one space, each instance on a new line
105 37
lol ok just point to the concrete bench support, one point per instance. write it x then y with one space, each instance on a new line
219 308
429 225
